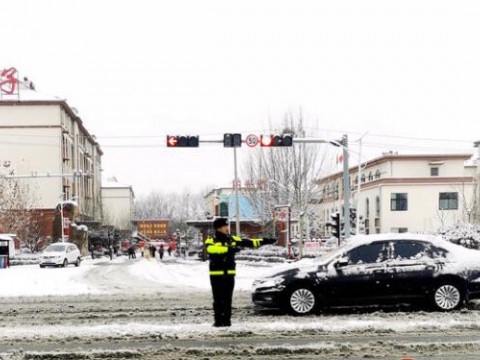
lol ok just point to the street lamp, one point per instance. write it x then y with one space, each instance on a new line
62 205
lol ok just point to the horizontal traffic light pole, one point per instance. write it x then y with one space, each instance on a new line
233 140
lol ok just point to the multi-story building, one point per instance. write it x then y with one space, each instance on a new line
400 193
48 147
220 202
118 205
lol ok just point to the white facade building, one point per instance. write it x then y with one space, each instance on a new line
43 135
118 205
400 193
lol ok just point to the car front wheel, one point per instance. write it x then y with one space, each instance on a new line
77 263
448 297
65 263
302 301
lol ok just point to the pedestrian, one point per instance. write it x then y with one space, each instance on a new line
92 252
161 251
130 252
110 252
142 250
183 250
173 247
153 250
221 252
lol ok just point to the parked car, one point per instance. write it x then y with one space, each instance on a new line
377 270
60 254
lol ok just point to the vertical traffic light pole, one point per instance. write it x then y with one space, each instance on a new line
237 207
346 187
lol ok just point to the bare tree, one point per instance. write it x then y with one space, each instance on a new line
285 175
176 207
17 215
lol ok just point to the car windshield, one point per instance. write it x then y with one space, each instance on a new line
55 248
329 256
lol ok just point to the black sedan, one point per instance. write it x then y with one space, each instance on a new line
377 270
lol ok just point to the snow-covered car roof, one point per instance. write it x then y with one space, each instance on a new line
392 236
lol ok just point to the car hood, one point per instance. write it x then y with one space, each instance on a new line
297 270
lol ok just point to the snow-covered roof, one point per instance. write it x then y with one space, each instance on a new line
112 183
26 94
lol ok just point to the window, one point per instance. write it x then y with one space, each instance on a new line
370 176
369 254
377 174
399 202
434 171
223 209
367 208
448 201
400 230
408 250
363 178
377 206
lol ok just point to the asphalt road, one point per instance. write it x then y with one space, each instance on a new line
44 328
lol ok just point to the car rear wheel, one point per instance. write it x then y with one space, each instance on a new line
65 263
302 301
448 297
42 266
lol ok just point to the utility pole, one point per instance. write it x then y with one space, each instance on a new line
237 205
359 185
62 218
477 208
346 187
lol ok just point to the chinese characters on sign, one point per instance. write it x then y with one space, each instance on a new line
9 81
154 229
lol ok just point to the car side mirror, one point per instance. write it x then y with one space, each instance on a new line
340 263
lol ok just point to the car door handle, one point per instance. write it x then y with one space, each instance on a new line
378 271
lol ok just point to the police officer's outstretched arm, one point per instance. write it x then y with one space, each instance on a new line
251 243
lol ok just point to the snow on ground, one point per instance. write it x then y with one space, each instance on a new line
102 276
380 322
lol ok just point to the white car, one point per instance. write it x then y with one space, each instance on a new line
60 254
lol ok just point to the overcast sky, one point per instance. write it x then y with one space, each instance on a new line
141 69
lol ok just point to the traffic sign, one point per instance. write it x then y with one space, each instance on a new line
251 140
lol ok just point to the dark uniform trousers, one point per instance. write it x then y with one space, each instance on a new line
222 288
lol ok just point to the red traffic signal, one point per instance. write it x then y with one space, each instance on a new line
182 141
172 141
276 140
266 140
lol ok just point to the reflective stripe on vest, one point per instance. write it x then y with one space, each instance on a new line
222 272
209 241
218 248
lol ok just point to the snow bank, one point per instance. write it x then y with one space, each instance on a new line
33 281
187 275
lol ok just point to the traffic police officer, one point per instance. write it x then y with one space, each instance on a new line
221 252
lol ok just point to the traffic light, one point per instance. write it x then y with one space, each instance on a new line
276 140
232 140
353 218
335 224
182 141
